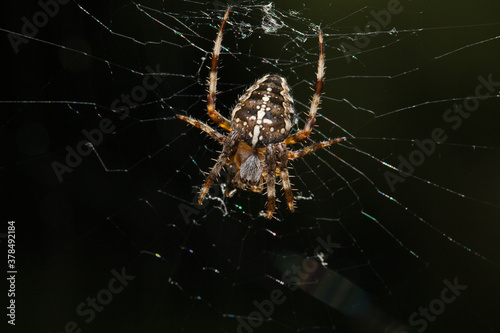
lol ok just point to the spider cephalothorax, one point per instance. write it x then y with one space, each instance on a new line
255 149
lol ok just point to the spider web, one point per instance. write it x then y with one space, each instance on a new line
373 240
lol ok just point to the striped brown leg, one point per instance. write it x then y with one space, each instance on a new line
316 100
309 149
212 88
285 178
204 127
227 149
271 179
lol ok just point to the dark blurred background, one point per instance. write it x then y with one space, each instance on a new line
199 270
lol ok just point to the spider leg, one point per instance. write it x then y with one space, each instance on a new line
271 179
309 149
316 100
212 88
227 149
287 186
204 127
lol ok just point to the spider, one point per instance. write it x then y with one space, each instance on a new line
255 147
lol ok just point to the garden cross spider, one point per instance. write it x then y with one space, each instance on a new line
259 131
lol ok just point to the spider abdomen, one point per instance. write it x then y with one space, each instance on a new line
264 113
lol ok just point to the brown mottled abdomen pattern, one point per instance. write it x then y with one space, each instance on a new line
264 112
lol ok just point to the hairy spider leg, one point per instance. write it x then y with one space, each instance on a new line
309 149
204 127
227 150
271 180
316 99
212 88
285 177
